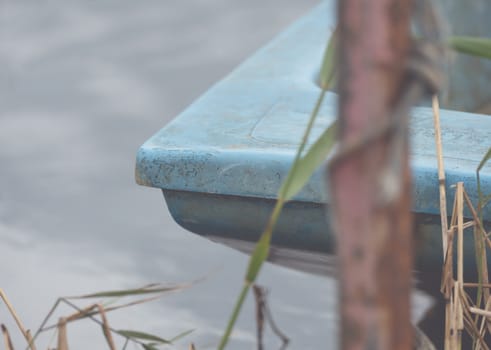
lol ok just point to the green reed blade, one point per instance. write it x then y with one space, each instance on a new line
475 46
142 336
295 180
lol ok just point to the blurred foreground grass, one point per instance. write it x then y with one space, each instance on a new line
107 301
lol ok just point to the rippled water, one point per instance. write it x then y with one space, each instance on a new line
83 84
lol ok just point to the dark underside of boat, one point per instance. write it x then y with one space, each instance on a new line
302 239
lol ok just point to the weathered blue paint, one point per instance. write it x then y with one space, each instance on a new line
238 141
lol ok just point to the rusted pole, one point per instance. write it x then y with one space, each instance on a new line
373 233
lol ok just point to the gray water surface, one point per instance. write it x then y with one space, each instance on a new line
83 85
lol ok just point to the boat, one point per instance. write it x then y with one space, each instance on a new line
221 162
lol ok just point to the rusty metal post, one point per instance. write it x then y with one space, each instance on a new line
374 236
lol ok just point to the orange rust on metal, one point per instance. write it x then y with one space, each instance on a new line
374 238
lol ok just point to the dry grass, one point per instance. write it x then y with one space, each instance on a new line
263 316
97 313
463 313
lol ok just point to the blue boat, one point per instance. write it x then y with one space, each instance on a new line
220 163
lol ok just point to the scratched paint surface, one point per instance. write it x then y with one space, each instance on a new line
247 127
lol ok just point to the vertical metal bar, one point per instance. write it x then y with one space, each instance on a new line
374 238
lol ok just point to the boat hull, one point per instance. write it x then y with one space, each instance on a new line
303 239
221 162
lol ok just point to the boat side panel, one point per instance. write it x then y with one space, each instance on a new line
302 226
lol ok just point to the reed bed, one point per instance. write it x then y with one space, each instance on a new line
468 304
112 300
96 312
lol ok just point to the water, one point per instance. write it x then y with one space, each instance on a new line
83 84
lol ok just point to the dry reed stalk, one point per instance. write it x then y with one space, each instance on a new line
473 211
478 333
263 314
480 312
62 335
450 331
459 312
480 229
488 241
460 233
6 338
488 322
260 301
447 341
456 314
469 224
105 328
82 313
441 173
475 285
456 319
471 326
452 290
484 320
90 311
479 237
447 273
25 332
447 291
